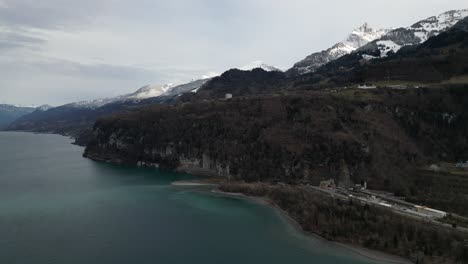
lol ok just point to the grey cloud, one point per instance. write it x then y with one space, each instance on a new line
94 71
51 14
11 40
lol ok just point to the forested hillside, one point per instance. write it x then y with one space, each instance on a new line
380 136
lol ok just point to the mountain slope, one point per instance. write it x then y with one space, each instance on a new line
193 86
9 113
72 119
149 91
144 92
358 38
440 59
240 83
417 33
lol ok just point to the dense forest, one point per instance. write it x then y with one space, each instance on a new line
361 224
380 136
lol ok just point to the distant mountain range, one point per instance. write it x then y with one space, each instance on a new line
165 90
74 118
143 93
9 113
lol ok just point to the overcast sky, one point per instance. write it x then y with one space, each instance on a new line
61 51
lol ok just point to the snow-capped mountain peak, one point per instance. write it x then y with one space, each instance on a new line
366 34
358 38
415 34
258 64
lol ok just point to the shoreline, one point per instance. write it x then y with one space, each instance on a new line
212 184
206 182
369 254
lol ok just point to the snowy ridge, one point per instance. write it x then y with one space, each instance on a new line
444 21
8 107
145 92
358 38
192 86
149 91
418 33
258 64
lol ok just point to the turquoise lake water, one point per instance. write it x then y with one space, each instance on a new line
57 207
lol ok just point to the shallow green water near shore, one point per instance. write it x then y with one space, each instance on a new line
57 207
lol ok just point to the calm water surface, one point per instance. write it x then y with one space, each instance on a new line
57 207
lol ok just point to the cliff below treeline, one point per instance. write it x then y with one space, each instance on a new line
380 136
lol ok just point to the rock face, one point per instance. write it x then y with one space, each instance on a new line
415 34
358 38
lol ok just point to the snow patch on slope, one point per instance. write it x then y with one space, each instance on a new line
258 64
358 38
419 32
192 86
146 92
150 91
387 46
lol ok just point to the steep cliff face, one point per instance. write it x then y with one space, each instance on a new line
377 136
